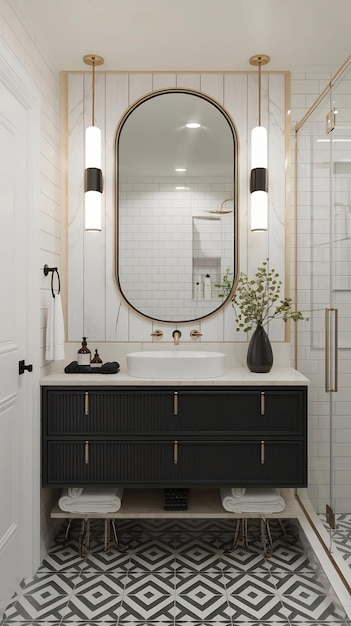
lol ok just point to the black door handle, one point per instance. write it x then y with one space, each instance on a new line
22 367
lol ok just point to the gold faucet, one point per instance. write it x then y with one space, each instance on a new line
176 336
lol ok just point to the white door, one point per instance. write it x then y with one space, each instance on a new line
19 462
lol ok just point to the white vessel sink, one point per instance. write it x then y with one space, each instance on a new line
175 364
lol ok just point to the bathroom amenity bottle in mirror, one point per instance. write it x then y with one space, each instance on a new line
207 287
84 354
96 361
197 291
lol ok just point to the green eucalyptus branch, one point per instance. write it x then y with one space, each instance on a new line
257 300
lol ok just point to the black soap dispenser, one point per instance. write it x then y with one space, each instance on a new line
96 361
84 354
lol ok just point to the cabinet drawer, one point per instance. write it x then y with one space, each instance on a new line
94 412
251 410
163 463
246 462
119 412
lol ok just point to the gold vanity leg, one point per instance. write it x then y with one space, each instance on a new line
107 534
110 524
289 538
121 547
69 522
84 539
245 532
266 538
240 536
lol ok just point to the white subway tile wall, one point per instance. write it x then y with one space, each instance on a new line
163 256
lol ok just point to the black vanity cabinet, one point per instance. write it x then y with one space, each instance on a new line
174 436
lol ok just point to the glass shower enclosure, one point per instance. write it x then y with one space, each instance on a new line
323 291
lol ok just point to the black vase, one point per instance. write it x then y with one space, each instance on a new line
259 354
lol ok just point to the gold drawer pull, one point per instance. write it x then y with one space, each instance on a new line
175 403
86 403
262 452
175 452
263 403
86 450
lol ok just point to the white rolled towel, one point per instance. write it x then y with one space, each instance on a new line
238 492
74 492
255 500
92 501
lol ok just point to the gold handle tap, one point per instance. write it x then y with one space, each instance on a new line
195 333
157 333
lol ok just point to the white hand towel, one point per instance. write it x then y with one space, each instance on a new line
259 500
92 501
55 331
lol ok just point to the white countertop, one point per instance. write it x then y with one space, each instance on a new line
240 376
236 370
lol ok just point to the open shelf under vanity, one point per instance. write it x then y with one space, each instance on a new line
202 504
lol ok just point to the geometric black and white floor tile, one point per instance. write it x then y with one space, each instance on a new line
177 573
341 535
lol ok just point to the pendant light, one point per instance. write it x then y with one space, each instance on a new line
259 171
93 173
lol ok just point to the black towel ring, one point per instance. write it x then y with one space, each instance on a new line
53 270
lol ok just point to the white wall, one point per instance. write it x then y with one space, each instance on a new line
96 309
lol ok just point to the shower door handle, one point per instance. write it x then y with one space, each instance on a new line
331 350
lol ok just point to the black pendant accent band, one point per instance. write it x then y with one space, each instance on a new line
259 179
93 179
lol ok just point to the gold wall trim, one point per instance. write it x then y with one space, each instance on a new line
64 195
287 82
248 71
295 245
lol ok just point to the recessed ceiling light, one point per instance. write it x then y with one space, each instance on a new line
193 125
181 188
180 169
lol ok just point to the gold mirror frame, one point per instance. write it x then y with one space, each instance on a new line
222 207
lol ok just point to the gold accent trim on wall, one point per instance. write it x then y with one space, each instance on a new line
287 194
64 193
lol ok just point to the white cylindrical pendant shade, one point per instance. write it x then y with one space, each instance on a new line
93 147
259 210
92 201
258 147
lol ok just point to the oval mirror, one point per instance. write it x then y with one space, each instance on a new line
176 195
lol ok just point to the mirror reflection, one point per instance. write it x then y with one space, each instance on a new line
176 197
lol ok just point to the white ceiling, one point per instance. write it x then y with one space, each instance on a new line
177 35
